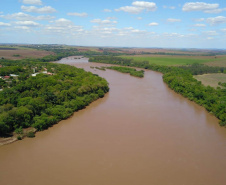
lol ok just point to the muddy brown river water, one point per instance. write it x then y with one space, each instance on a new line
140 133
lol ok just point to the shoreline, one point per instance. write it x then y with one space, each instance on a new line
14 137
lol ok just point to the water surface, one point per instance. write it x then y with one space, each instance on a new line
140 133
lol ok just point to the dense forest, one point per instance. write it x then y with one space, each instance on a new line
46 98
181 80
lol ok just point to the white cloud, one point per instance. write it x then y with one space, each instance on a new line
44 17
27 23
199 20
4 24
35 2
172 7
25 17
25 28
130 9
104 30
63 22
78 14
107 10
210 38
199 6
58 27
106 21
174 35
216 20
112 18
210 33
173 20
34 9
139 18
138 7
215 10
150 6
153 24
138 31
200 25
17 16
129 28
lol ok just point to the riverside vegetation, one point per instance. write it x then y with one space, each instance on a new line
43 100
131 71
181 80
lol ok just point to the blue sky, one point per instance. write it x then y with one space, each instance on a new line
123 23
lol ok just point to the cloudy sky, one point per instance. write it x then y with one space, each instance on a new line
124 23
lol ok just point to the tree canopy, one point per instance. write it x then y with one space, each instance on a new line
43 100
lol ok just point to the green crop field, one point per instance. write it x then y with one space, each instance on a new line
172 60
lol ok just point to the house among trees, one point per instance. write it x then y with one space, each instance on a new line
6 77
14 76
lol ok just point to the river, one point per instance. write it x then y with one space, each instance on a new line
140 133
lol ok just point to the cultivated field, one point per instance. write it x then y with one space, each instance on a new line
211 79
16 53
173 51
172 60
219 61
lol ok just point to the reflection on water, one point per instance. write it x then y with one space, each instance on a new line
140 133
73 60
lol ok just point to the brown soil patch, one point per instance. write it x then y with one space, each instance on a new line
211 79
23 53
220 62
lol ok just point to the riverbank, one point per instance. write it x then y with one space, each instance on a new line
16 137
43 100
182 82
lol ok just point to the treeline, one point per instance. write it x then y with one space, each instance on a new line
44 100
182 82
199 69
131 71
62 51
4 71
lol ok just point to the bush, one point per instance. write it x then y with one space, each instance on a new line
30 134
19 130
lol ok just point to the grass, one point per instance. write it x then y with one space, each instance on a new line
21 53
172 60
211 79
219 61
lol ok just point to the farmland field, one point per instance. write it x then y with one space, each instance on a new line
211 79
219 61
16 53
175 60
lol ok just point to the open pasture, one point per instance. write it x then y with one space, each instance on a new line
16 53
219 61
211 79
171 60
